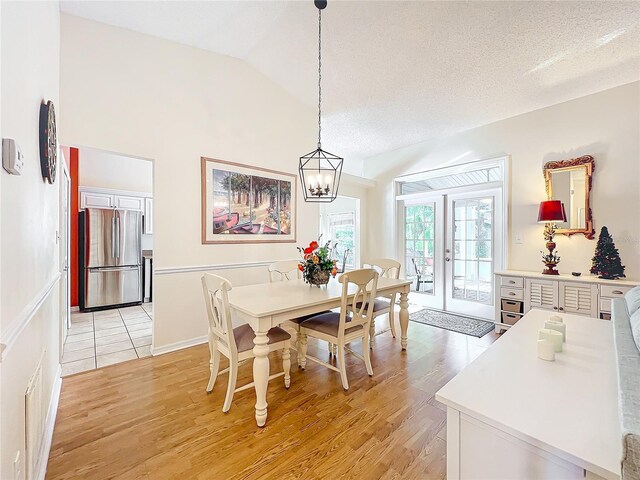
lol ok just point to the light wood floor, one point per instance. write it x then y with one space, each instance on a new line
151 418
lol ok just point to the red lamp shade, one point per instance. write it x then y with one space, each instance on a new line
551 211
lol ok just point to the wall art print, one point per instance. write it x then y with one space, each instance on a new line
244 204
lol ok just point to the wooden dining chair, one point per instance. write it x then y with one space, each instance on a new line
283 271
338 328
235 343
384 305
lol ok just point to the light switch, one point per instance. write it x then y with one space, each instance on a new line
517 239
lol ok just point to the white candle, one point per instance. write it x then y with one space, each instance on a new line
546 350
554 337
558 327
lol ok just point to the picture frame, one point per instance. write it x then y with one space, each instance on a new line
246 204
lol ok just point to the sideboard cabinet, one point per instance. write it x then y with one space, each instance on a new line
518 292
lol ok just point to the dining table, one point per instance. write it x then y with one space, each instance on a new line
267 305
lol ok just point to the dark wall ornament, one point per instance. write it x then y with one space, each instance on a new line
48 141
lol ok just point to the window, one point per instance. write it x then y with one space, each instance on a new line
342 230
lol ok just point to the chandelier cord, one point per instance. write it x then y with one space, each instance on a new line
319 78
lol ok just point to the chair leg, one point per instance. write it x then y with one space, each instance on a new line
335 349
214 362
303 350
286 365
367 356
231 386
298 348
372 332
342 366
392 322
330 347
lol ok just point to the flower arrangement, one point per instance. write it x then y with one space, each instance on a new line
316 264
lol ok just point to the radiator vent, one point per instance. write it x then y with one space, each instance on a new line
34 420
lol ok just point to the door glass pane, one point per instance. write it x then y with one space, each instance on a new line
419 244
473 250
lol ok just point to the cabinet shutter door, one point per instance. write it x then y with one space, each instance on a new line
541 294
577 298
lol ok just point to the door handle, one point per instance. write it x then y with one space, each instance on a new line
447 259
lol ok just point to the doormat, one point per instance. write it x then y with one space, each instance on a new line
455 323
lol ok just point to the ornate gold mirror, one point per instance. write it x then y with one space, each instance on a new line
570 182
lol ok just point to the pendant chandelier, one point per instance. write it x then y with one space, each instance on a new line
320 170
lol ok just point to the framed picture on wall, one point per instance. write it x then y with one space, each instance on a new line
244 204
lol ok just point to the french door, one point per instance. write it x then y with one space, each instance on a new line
452 246
424 240
473 247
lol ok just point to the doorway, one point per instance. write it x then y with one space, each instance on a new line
64 231
453 237
111 285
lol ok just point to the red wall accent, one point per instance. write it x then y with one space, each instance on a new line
75 204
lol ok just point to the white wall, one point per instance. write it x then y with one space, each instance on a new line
605 125
101 169
138 95
109 170
29 212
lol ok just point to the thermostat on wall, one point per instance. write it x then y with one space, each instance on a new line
12 157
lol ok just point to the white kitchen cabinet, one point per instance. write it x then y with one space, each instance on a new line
581 299
148 216
521 291
541 294
129 203
94 197
96 200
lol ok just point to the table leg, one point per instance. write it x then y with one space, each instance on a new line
404 319
261 375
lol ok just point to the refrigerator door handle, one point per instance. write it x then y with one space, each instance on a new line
116 216
113 269
113 235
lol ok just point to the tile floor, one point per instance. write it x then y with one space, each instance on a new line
98 339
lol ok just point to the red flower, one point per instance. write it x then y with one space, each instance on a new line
313 245
308 250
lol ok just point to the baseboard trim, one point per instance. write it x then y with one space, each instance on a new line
208 268
25 317
45 449
172 347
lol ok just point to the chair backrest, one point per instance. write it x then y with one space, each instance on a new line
386 267
216 299
285 270
361 305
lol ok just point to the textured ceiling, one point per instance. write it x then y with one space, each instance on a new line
395 72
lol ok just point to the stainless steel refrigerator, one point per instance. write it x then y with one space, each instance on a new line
110 257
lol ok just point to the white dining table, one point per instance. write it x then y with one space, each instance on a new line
268 305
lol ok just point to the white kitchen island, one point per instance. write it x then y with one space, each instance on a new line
513 416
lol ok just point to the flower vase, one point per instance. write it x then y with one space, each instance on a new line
319 278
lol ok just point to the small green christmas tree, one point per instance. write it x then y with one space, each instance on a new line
606 260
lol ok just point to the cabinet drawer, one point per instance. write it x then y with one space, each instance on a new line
512 306
605 305
512 293
512 282
510 318
612 291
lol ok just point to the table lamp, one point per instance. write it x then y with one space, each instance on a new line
551 211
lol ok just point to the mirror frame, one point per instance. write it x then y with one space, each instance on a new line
588 163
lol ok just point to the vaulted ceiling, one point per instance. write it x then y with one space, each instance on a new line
399 72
